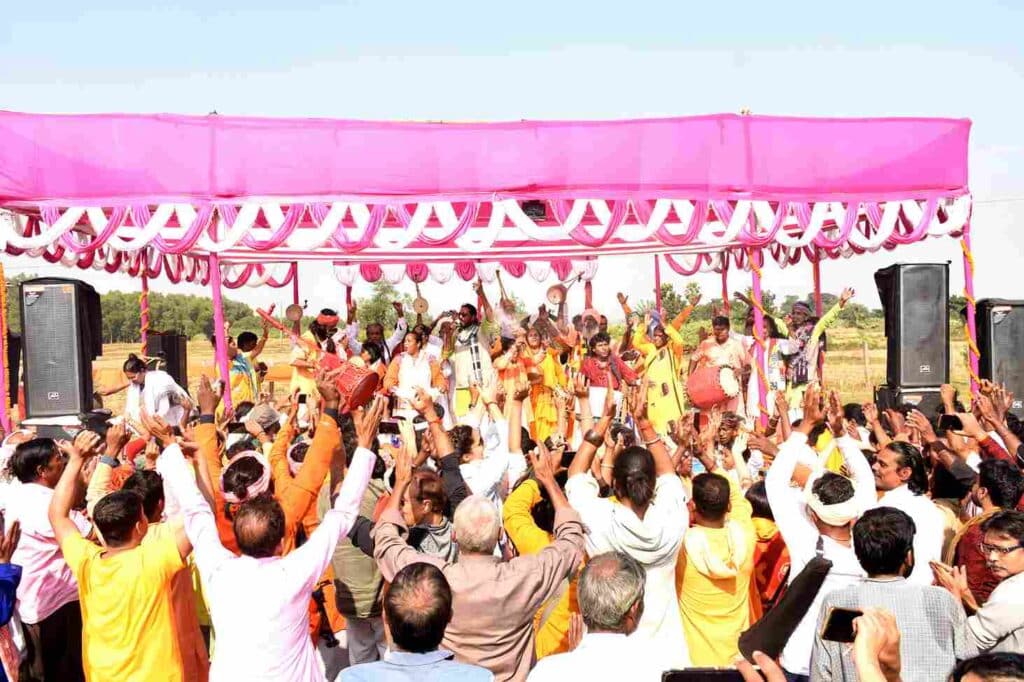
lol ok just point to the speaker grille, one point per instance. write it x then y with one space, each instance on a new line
1001 338
924 325
51 340
915 300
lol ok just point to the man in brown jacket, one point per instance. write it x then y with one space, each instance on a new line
494 601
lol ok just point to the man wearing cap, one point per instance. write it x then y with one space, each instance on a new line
305 359
803 349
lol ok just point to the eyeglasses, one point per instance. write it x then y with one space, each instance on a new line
987 549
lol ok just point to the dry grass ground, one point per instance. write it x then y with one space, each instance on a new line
845 366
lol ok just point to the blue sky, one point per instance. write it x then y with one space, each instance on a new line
491 61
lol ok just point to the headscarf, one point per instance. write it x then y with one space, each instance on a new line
257 487
838 514
293 465
327 321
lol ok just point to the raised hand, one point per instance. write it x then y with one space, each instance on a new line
835 415
367 421
117 437
327 388
640 403
920 423
422 402
207 398
870 413
581 386
522 392
542 470
158 429
845 296
812 405
399 309
87 444
403 467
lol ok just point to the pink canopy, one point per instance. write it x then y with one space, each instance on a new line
121 159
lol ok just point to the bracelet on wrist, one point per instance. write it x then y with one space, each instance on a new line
594 438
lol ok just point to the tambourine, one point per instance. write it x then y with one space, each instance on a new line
294 312
420 305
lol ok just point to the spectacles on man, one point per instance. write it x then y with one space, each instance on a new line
987 549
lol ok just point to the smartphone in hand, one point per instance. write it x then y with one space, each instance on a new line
838 625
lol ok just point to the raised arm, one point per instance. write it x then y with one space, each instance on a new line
255 352
786 503
657 447
68 487
593 439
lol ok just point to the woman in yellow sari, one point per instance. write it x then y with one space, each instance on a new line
545 373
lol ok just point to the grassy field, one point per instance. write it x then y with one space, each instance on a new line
851 369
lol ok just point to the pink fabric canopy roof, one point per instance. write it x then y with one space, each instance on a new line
160 194
115 159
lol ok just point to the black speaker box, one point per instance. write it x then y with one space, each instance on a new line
172 350
915 300
61 330
1000 325
926 400
13 366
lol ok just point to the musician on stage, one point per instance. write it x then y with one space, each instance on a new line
305 359
721 349
666 399
471 357
601 360
375 332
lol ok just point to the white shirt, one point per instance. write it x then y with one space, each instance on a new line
654 541
930 529
604 656
260 607
413 372
488 476
390 343
159 395
46 581
999 624
801 535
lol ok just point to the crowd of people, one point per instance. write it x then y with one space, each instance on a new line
523 498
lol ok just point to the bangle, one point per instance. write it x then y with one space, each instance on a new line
594 438
607 466
652 441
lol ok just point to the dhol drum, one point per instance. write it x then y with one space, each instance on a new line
710 386
356 384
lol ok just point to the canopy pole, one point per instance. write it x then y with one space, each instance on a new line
5 416
220 338
295 283
759 336
816 276
970 329
657 285
144 312
726 306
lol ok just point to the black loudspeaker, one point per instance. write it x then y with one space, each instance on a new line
928 401
13 366
915 300
1001 342
172 350
61 334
